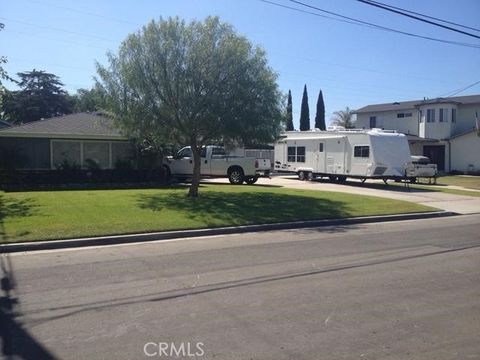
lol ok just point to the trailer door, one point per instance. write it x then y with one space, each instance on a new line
335 155
321 157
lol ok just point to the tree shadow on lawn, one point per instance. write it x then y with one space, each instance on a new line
10 208
222 209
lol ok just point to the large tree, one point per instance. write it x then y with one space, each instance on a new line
289 119
304 112
192 84
343 118
320 116
40 96
89 99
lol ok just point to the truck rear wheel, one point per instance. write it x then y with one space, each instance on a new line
301 175
236 176
310 176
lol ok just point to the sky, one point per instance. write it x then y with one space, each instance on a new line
353 65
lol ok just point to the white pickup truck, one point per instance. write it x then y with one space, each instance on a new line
216 163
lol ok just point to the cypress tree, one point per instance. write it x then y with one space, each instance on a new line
304 112
289 122
320 117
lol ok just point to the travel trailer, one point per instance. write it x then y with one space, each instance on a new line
338 153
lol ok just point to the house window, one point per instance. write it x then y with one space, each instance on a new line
430 115
361 151
454 115
400 115
301 154
291 154
408 114
373 122
320 147
66 153
443 116
96 154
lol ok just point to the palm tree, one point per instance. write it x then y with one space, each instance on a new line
343 118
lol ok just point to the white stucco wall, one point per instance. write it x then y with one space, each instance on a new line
388 120
465 152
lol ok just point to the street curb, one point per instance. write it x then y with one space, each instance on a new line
166 235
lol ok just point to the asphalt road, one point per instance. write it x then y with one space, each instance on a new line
399 290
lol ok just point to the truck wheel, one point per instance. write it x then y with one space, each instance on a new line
310 176
251 180
235 176
301 175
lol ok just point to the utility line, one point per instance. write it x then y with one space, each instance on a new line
371 3
426 16
384 27
58 29
455 92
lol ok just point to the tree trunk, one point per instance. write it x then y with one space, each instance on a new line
196 152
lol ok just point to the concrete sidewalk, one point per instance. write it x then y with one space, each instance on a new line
460 204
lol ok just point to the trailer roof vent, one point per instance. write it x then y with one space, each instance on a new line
335 128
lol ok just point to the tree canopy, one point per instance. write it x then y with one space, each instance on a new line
304 112
193 84
40 96
343 118
289 119
89 99
320 116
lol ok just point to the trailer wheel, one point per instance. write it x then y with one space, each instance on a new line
235 175
301 175
251 180
310 176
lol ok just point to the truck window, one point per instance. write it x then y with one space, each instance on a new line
291 154
185 153
218 152
361 151
301 154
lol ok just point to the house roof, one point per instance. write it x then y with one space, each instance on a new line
408 105
463 133
72 126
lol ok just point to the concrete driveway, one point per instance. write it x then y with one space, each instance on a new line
460 204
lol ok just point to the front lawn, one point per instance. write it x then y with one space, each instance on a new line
470 182
26 216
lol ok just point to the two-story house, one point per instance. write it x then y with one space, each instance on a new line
443 129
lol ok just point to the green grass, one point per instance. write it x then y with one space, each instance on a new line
470 182
27 216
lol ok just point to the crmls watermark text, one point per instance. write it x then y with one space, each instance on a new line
172 349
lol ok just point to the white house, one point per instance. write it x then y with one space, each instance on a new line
443 129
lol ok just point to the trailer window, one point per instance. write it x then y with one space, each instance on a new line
301 154
291 154
361 151
320 147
